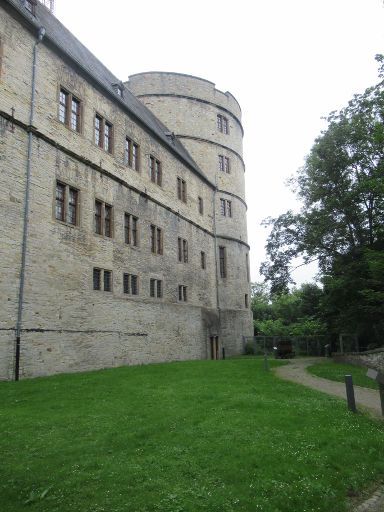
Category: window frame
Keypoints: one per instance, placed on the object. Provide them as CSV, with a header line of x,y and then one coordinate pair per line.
x,y
155,170
223,261
182,250
128,287
181,186
132,154
103,139
104,220
156,289
203,260
66,204
156,239
182,295
66,111
104,280
200,201
222,124
131,230
226,207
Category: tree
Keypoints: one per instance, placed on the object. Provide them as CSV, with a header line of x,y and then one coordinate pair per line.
x,y
341,187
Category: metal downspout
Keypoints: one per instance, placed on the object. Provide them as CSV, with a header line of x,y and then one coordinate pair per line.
x,y
41,34
216,263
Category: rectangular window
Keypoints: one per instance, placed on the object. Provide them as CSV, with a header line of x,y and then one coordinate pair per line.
x,y
222,124
130,284
107,220
103,134
156,288
98,216
155,170
223,261
246,302
97,279
107,281
226,208
182,249
130,229
182,293
103,219
203,260
156,240
224,164
201,205
102,277
60,201
69,110
66,203
181,190
131,157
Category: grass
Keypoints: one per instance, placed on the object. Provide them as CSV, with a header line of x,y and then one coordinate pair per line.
x,y
336,371
213,436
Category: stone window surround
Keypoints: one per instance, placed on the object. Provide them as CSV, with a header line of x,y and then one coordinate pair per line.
x,y
66,203
66,108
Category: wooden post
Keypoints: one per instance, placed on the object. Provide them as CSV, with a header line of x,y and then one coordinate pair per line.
x,y
350,393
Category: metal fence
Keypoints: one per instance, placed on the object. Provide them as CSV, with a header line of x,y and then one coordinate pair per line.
x,y
301,345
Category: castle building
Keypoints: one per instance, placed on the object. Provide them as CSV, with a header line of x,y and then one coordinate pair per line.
x,y
123,237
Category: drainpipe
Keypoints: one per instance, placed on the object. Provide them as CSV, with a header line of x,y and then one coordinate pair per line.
x,y
216,262
40,36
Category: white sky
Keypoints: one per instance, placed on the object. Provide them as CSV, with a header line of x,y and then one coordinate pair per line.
x,y
288,63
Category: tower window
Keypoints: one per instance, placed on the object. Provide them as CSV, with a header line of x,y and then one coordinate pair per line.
x,y
226,208
224,164
222,124
223,261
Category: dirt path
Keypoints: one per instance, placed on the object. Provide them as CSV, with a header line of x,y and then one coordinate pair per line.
x,y
295,371
367,399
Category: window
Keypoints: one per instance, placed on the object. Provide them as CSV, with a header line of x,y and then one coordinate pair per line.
x,y
130,284
107,281
131,155
203,260
226,207
156,288
102,277
224,164
131,230
103,134
103,219
182,250
156,240
67,204
201,205
69,110
246,302
247,266
182,293
30,5
222,124
223,261
181,190
155,170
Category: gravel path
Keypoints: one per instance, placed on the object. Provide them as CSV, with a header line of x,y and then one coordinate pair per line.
x,y
295,371
367,399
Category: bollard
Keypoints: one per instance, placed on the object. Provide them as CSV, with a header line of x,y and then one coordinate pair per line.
x,y
381,391
350,393
266,364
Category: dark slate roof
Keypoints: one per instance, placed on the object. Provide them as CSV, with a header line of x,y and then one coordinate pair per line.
x,y
61,38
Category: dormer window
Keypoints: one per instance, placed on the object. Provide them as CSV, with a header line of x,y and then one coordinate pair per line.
x,y
119,89
30,5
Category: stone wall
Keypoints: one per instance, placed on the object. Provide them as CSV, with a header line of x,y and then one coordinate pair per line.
x,y
371,359
66,324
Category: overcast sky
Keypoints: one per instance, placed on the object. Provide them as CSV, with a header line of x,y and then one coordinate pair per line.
x,y
287,62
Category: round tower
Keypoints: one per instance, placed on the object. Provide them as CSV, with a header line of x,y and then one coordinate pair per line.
x,y
208,123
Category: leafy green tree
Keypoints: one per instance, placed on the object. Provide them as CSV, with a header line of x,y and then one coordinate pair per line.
x,y
341,223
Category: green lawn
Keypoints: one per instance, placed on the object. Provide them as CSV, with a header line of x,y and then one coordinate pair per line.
x,y
213,436
336,371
